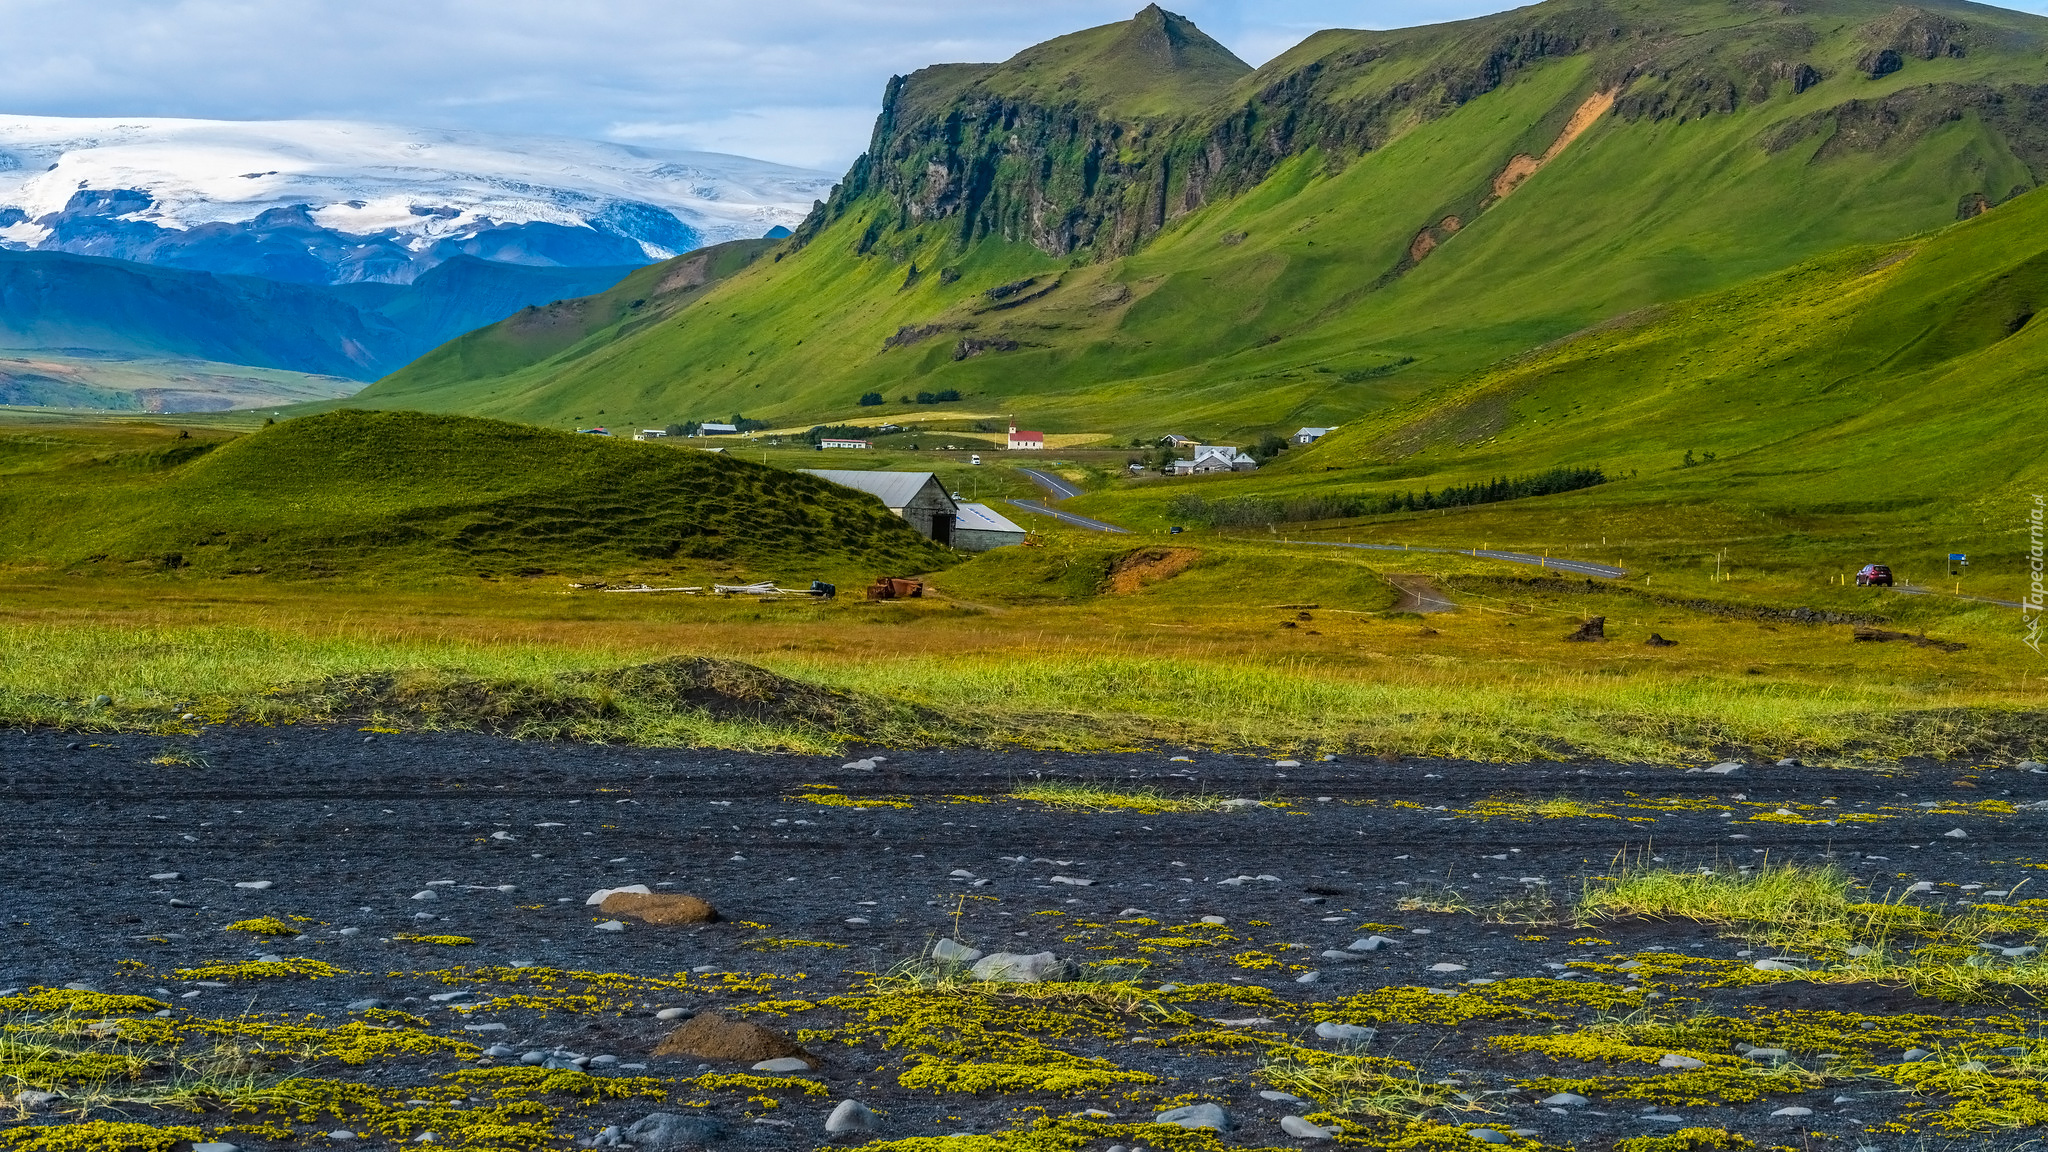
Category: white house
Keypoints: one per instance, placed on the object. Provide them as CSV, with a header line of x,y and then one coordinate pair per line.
x,y
1176,440
838,442
650,434
1311,435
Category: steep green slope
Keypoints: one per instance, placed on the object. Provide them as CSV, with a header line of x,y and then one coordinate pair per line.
x,y
1875,399
404,494
555,336
1368,216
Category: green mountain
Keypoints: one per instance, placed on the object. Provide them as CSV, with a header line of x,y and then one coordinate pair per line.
x,y
402,494
1872,404
1124,231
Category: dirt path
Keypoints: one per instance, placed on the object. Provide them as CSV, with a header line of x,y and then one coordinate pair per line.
x,y
1419,595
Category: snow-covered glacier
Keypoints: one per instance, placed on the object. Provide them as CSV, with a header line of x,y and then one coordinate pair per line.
x,y
330,201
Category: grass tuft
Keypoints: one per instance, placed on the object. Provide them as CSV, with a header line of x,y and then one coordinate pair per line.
x,y
1103,798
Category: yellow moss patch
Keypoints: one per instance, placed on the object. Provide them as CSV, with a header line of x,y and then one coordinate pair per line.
x,y
97,1136
91,1004
264,970
263,926
837,800
1686,1140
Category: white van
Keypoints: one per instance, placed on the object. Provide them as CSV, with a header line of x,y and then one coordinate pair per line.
x,y
975,460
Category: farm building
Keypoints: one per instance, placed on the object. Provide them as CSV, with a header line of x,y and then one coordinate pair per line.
x,y
981,528
922,501
718,430
650,434
918,497
1311,435
843,442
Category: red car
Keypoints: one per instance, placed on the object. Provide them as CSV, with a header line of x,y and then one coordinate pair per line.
x,y
1874,574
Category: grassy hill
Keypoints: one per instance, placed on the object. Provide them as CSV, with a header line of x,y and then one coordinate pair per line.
x,y
1366,218
354,494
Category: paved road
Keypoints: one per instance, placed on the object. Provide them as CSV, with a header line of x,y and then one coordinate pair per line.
x,y
1060,489
1044,509
1575,567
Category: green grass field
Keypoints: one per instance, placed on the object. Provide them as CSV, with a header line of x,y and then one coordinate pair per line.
x,y
1080,641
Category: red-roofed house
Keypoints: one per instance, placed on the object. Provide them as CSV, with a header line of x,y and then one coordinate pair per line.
x,y
1025,439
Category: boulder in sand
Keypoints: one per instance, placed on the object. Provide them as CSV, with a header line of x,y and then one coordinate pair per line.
x,y
717,1036
659,908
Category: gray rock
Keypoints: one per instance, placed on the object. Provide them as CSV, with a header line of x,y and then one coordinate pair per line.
x,y
1956,834
365,1005
1861,950
1775,966
669,1130
1309,977
608,1138
673,1014
534,1057
1726,766
1486,1135
1348,1033
341,1134
216,1146
1372,944
1682,1063
953,952
852,1116
1211,1116
1023,968
1565,1099
1526,1133
30,1099
1791,762
426,894
784,1064
1446,966
500,1051
1334,954
1795,1110
1301,1129
603,1061
1767,1053
1279,1097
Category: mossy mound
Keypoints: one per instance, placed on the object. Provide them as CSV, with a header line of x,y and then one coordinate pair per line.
x,y
388,493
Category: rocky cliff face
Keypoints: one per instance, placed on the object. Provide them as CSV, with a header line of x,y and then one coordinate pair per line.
x,y
1024,152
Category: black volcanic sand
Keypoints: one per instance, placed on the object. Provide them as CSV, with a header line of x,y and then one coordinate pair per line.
x,y
347,827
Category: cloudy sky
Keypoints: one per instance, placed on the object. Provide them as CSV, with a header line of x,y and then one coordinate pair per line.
x,y
795,81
